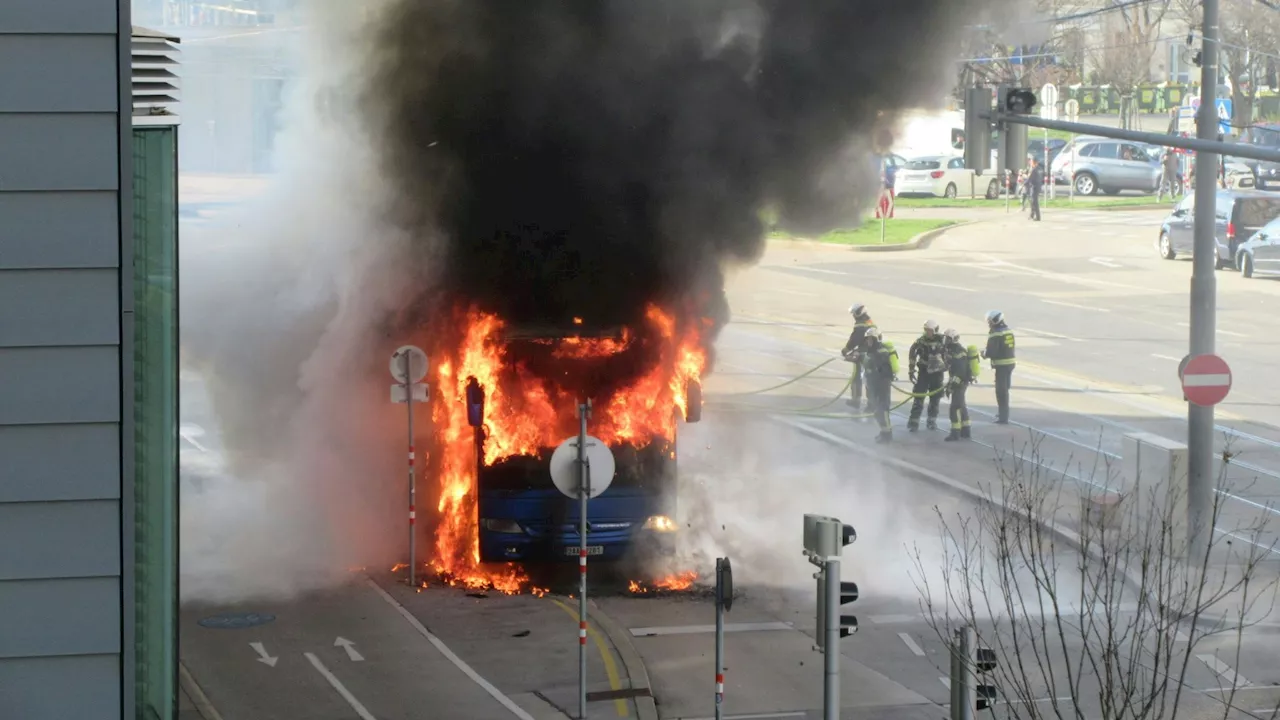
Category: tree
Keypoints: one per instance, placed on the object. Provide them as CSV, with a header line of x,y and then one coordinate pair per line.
x,y
1106,624
1131,32
1250,37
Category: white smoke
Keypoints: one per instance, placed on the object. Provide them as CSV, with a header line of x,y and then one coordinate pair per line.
x,y
281,307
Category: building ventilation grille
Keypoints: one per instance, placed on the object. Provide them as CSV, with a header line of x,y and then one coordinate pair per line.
x,y
155,73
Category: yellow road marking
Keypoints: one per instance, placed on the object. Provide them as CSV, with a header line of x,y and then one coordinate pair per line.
x,y
610,667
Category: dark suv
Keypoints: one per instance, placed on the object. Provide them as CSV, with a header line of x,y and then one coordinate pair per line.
x,y
1240,213
1266,175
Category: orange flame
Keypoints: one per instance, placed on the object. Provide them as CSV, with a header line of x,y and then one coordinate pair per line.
x,y
674,583
522,417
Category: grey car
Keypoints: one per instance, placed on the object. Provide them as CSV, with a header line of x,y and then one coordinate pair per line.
x,y
1098,164
1239,214
1260,254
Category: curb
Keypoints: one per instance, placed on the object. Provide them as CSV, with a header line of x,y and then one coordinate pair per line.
x,y
646,707
193,690
916,243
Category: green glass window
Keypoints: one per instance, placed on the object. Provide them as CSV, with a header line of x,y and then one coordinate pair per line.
x,y
155,416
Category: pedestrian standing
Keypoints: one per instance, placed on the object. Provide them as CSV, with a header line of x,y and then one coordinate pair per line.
x,y
1000,351
853,352
882,366
1168,175
927,370
960,366
1035,183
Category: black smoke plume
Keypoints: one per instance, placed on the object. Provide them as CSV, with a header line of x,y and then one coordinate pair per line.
x,y
562,158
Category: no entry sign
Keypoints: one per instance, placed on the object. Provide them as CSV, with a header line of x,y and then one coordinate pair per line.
x,y
1206,380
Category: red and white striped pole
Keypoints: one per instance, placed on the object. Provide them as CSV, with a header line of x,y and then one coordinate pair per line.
x,y
584,492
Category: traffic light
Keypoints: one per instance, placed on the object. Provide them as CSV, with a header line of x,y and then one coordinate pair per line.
x,y
824,539
977,129
984,663
1017,101
848,623
1013,138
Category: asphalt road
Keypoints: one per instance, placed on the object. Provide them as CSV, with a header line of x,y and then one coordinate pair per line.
x,y
1095,310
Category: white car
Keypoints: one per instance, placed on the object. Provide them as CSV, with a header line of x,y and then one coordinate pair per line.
x,y
941,176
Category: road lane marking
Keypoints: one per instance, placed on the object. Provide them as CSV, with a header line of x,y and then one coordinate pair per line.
x,y
1046,333
1166,357
911,644
698,629
610,667
458,662
944,287
1073,305
895,619
263,656
342,690
946,681
1219,331
1224,670
1105,262
349,646
196,693
805,268
755,716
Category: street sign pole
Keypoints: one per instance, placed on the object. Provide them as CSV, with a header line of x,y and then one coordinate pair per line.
x,y
584,492
724,601
413,535
1200,419
408,366
831,656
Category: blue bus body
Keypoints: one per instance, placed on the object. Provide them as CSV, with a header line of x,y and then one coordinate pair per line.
x,y
524,518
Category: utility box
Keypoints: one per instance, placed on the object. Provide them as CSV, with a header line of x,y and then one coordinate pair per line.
x,y
1155,491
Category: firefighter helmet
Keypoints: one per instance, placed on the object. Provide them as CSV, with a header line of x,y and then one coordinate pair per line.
x,y
873,333
952,334
857,309
931,326
995,317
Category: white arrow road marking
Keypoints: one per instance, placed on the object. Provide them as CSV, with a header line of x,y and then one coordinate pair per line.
x,y
342,690
263,657
1105,262
1223,670
347,645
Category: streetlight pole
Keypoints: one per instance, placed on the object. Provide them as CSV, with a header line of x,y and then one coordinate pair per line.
x,y
1200,420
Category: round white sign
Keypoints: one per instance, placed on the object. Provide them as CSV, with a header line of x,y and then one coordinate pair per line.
x,y
564,466
417,364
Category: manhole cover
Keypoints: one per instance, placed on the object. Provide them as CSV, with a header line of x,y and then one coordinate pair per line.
x,y
236,621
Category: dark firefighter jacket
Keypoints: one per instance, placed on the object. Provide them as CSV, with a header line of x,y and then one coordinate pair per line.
x,y
878,363
1000,346
860,328
926,354
958,363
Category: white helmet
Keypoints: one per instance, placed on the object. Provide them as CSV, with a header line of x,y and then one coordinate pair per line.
x,y
952,334
857,309
995,317
931,326
873,333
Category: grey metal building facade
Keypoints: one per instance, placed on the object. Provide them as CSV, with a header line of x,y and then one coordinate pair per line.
x,y
88,363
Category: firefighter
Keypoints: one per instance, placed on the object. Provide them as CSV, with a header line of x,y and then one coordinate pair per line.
x,y
880,361
962,366
1000,352
853,352
927,369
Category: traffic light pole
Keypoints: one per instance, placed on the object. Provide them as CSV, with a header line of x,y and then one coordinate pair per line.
x,y
1203,295
831,655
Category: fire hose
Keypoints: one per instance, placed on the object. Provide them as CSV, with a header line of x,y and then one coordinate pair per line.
x,y
813,411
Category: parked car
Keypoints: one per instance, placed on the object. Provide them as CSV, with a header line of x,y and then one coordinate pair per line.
x,y
1035,149
1260,254
942,176
1239,215
1266,175
1098,164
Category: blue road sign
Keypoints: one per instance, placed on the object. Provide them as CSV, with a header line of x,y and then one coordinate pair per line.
x,y
237,621
1224,115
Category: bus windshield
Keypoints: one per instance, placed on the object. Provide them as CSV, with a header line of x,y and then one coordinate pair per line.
x,y
636,469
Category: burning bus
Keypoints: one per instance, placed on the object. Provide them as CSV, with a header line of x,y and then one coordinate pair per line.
x,y
509,397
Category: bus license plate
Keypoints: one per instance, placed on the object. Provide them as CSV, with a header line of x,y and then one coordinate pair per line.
x,y
591,550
